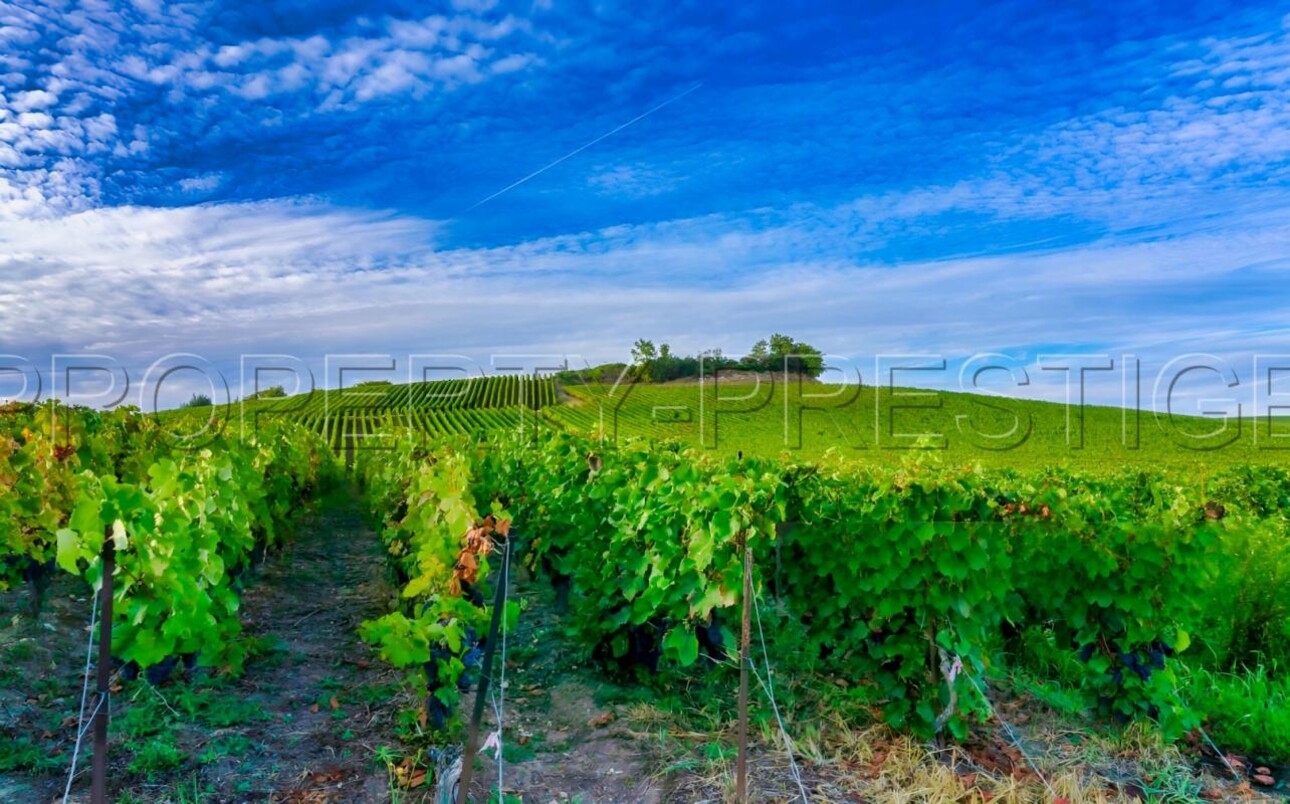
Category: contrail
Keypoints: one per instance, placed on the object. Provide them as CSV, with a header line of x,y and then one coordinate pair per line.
x,y
585,146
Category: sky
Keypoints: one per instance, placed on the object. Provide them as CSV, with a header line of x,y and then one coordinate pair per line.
x,y
315,177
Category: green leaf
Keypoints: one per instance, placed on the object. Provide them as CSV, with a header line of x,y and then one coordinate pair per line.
x,y
681,645
69,550
85,516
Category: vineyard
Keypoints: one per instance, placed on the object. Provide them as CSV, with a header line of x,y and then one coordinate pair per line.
x,y
918,595
371,413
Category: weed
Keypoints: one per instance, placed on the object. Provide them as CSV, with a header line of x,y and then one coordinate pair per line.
x,y
1053,694
218,709
20,651
1246,619
156,754
142,718
524,654
267,650
716,752
227,745
513,752
1247,712
21,754
1173,784
377,693
192,792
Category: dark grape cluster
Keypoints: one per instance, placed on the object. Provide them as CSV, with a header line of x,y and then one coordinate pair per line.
x,y
712,641
472,657
162,671
560,582
644,647
1142,662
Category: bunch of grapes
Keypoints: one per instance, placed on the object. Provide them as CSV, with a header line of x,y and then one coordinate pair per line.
x,y
472,657
1142,662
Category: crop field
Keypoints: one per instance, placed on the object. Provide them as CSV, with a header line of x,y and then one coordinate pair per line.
x,y
370,414
905,584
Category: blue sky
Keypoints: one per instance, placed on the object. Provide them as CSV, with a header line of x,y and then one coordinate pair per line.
x,y
953,178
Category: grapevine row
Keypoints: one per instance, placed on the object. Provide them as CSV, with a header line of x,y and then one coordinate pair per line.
x,y
185,522
896,575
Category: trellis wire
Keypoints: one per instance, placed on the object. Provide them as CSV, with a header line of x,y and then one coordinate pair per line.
x,y
85,692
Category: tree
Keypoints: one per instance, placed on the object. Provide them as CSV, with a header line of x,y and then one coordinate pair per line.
x,y
781,345
806,359
663,368
643,356
782,353
644,351
198,401
758,357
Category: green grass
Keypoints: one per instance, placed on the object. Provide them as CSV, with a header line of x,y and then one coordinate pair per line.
x,y
227,745
513,752
1247,712
156,754
883,426
148,713
21,754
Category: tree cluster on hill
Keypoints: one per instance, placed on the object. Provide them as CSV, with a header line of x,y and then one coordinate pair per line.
x,y
272,392
777,353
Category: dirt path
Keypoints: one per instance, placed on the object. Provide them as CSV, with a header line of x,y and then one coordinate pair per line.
x,y
566,737
329,707
304,723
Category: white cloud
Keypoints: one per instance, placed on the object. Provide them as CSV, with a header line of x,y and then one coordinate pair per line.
x,y
309,279
200,184
633,181
35,120
35,99
1234,118
36,194
394,57
84,82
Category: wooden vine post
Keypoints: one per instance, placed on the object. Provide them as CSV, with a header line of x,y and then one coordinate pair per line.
x,y
98,786
745,639
485,680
